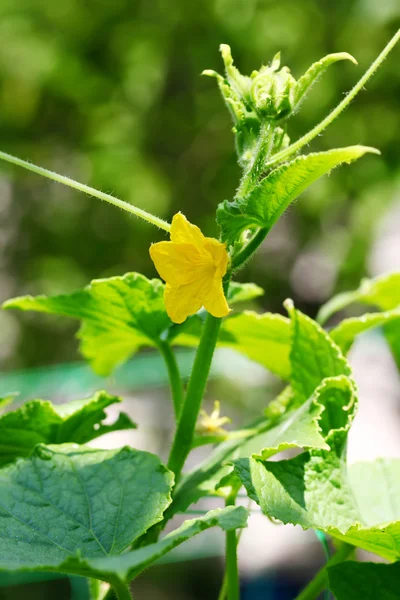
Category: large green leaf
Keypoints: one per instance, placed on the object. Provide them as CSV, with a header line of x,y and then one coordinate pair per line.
x,y
119,315
40,421
314,356
71,500
317,490
130,564
269,199
264,338
351,580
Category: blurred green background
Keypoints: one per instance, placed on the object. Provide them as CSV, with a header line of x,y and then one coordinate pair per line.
x,y
110,93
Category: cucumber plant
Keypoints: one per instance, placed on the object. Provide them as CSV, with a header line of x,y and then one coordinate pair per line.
x,y
70,508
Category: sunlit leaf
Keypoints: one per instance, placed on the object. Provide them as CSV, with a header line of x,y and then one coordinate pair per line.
x,y
268,201
40,421
68,501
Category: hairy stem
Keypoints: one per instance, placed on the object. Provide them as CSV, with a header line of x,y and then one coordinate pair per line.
x,y
306,139
320,581
257,166
175,379
138,212
243,256
121,591
184,434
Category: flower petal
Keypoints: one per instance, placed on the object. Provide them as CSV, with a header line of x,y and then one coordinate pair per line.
x,y
215,301
219,255
184,232
178,264
181,301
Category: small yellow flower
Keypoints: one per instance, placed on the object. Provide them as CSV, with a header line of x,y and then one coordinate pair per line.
x,y
192,266
212,424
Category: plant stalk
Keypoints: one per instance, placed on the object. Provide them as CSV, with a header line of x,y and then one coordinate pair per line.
x,y
231,580
174,375
306,139
184,434
134,210
245,254
121,591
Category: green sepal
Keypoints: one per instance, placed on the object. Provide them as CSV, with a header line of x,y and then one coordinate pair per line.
x,y
304,84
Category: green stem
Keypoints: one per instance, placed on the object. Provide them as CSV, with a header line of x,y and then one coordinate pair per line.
x,y
257,167
243,256
232,570
320,581
184,434
222,592
121,591
138,212
174,377
306,139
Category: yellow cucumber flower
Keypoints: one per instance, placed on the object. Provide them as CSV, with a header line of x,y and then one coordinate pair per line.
x,y
213,423
192,266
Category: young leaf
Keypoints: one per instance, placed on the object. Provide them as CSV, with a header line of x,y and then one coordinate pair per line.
x,y
40,421
352,580
119,315
305,82
270,198
68,501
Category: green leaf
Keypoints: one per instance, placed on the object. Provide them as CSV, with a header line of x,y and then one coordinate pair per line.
x,y
351,580
40,421
310,425
243,292
363,508
383,292
123,567
264,338
67,501
119,315
314,356
270,198
345,333
310,77
130,564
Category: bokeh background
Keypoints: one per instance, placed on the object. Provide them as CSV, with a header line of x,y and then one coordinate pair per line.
x,y
109,93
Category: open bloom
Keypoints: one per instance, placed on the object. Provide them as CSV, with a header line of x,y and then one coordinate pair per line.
x,y
192,266
213,423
